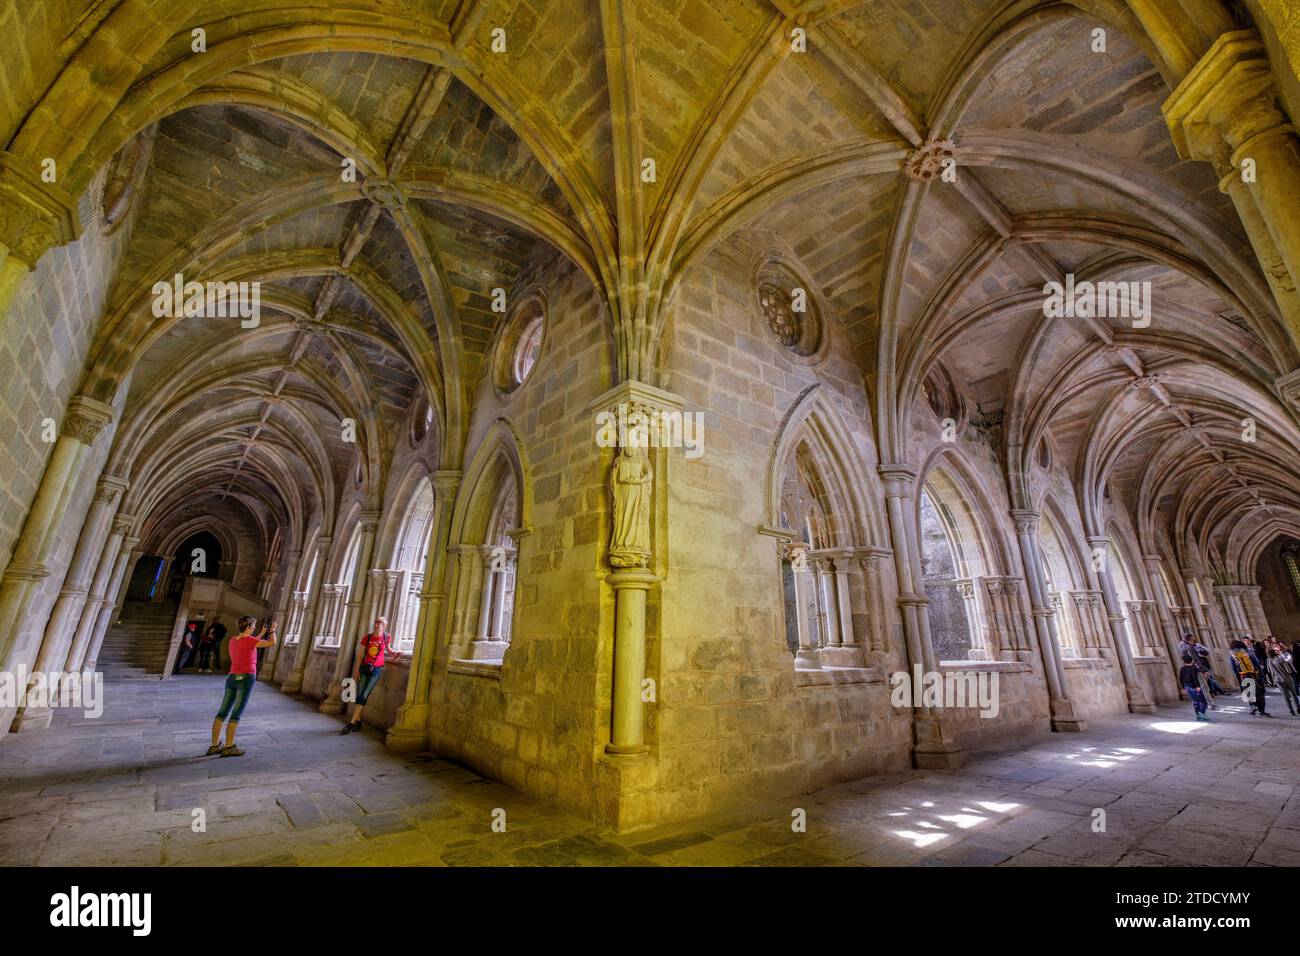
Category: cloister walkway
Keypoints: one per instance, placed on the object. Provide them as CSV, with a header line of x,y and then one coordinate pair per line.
x,y
123,788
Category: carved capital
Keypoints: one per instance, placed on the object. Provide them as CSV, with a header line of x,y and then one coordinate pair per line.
x,y
34,215
445,484
122,524
898,480
86,418
1026,521
109,489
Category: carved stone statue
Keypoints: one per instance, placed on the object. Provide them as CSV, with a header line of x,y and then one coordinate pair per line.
x,y
631,483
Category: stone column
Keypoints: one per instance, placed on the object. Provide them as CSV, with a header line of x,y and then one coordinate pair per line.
x,y
293,684
410,731
870,560
849,651
1060,705
1230,95
76,585
110,606
1254,607
28,564
354,622
1138,701
934,747
806,658
292,559
99,590
829,607
1165,611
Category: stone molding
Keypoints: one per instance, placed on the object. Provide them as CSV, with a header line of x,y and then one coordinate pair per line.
x,y
35,215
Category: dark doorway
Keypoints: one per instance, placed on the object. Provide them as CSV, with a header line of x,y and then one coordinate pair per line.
x,y
199,555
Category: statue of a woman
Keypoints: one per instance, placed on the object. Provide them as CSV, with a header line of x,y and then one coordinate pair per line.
x,y
631,483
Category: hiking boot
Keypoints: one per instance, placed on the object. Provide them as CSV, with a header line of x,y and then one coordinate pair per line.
x,y
213,750
231,751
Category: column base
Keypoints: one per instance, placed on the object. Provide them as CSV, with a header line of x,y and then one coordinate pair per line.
x,y
1139,702
32,718
293,685
410,731
333,703
1064,719
629,750
934,747
843,655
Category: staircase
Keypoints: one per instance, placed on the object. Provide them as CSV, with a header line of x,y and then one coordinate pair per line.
x,y
137,646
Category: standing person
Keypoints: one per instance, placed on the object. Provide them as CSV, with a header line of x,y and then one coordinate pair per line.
x,y
188,641
210,645
371,653
1284,679
1243,665
1201,658
1190,678
239,683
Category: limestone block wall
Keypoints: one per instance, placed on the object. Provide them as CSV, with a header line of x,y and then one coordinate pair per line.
x,y
541,726
731,721
44,349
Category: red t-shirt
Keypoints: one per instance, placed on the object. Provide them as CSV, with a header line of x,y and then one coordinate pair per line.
x,y
372,649
243,655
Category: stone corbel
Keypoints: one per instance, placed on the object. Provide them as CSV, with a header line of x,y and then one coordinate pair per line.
x,y
35,215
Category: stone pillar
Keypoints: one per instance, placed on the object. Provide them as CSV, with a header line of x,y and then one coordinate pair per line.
x,y
870,560
292,559
828,606
934,746
354,621
1138,701
28,564
410,731
848,652
110,606
806,658
1229,97
76,585
1254,608
34,216
293,684
1165,611
1060,705
99,590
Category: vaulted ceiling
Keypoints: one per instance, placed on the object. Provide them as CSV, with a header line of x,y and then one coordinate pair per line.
x,y
474,165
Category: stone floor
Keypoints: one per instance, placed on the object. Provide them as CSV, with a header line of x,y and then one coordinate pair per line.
x,y
123,789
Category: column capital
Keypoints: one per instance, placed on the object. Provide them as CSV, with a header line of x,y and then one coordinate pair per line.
x,y
1289,387
898,478
109,488
86,418
122,524
445,483
1230,92
129,544
34,215
1026,521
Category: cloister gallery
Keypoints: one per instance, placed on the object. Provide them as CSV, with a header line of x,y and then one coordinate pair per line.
x,y
672,376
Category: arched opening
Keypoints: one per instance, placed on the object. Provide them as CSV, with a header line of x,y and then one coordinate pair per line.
x,y
199,555
955,571
403,581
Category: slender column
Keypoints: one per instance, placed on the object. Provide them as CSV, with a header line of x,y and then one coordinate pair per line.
x,y
870,560
1254,607
76,586
1165,611
410,730
119,599
830,613
293,685
1063,715
354,620
292,560
107,611
934,747
631,586
98,592
1138,701
85,419
488,577
806,657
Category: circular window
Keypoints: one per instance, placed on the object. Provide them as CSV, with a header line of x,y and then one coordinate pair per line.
x,y
788,307
520,345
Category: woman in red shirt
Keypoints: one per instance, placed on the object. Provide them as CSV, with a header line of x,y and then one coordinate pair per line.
x,y
239,683
371,653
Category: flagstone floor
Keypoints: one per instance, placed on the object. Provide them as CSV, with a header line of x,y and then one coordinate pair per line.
x,y
123,790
